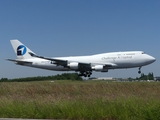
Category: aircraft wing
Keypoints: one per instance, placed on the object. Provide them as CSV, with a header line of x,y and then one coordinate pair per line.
x,y
19,62
62,62
54,61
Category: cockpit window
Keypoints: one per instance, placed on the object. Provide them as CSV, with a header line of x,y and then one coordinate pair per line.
x,y
143,52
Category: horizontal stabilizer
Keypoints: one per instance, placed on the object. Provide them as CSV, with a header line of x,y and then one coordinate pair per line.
x,y
19,61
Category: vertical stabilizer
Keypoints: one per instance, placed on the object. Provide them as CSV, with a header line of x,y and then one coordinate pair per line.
x,y
21,50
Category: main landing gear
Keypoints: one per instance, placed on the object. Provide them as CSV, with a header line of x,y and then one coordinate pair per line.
x,y
85,73
139,70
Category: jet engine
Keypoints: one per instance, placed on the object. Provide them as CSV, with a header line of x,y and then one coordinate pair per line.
x,y
73,65
100,68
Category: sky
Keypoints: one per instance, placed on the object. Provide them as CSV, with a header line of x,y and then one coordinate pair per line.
x,y
56,28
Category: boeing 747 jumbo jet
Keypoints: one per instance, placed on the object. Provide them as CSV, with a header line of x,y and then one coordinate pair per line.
x,y
82,64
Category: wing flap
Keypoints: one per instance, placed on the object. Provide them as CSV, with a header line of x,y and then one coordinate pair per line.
x,y
59,62
84,66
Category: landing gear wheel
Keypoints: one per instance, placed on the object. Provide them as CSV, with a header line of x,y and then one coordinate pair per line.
x,y
85,73
139,70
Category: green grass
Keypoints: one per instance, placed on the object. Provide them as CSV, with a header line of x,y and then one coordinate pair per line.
x,y
80,100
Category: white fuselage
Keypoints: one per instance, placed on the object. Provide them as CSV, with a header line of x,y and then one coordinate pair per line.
x,y
82,64
118,60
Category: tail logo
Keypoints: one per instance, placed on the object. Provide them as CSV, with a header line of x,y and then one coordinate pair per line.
x,y
21,50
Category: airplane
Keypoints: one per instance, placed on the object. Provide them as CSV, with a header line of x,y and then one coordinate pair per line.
x,y
85,65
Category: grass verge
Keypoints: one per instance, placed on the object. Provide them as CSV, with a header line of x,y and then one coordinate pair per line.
x,y
80,100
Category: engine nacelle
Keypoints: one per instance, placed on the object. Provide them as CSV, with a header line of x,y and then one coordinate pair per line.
x,y
73,65
100,68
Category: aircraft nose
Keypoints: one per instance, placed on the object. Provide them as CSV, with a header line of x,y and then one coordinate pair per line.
x,y
151,59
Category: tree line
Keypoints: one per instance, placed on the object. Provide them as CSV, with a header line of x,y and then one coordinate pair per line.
x,y
64,76
150,76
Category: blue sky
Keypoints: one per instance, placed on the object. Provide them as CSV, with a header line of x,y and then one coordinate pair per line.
x,y
79,27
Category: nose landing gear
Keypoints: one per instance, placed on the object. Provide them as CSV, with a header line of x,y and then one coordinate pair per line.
x,y
139,70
